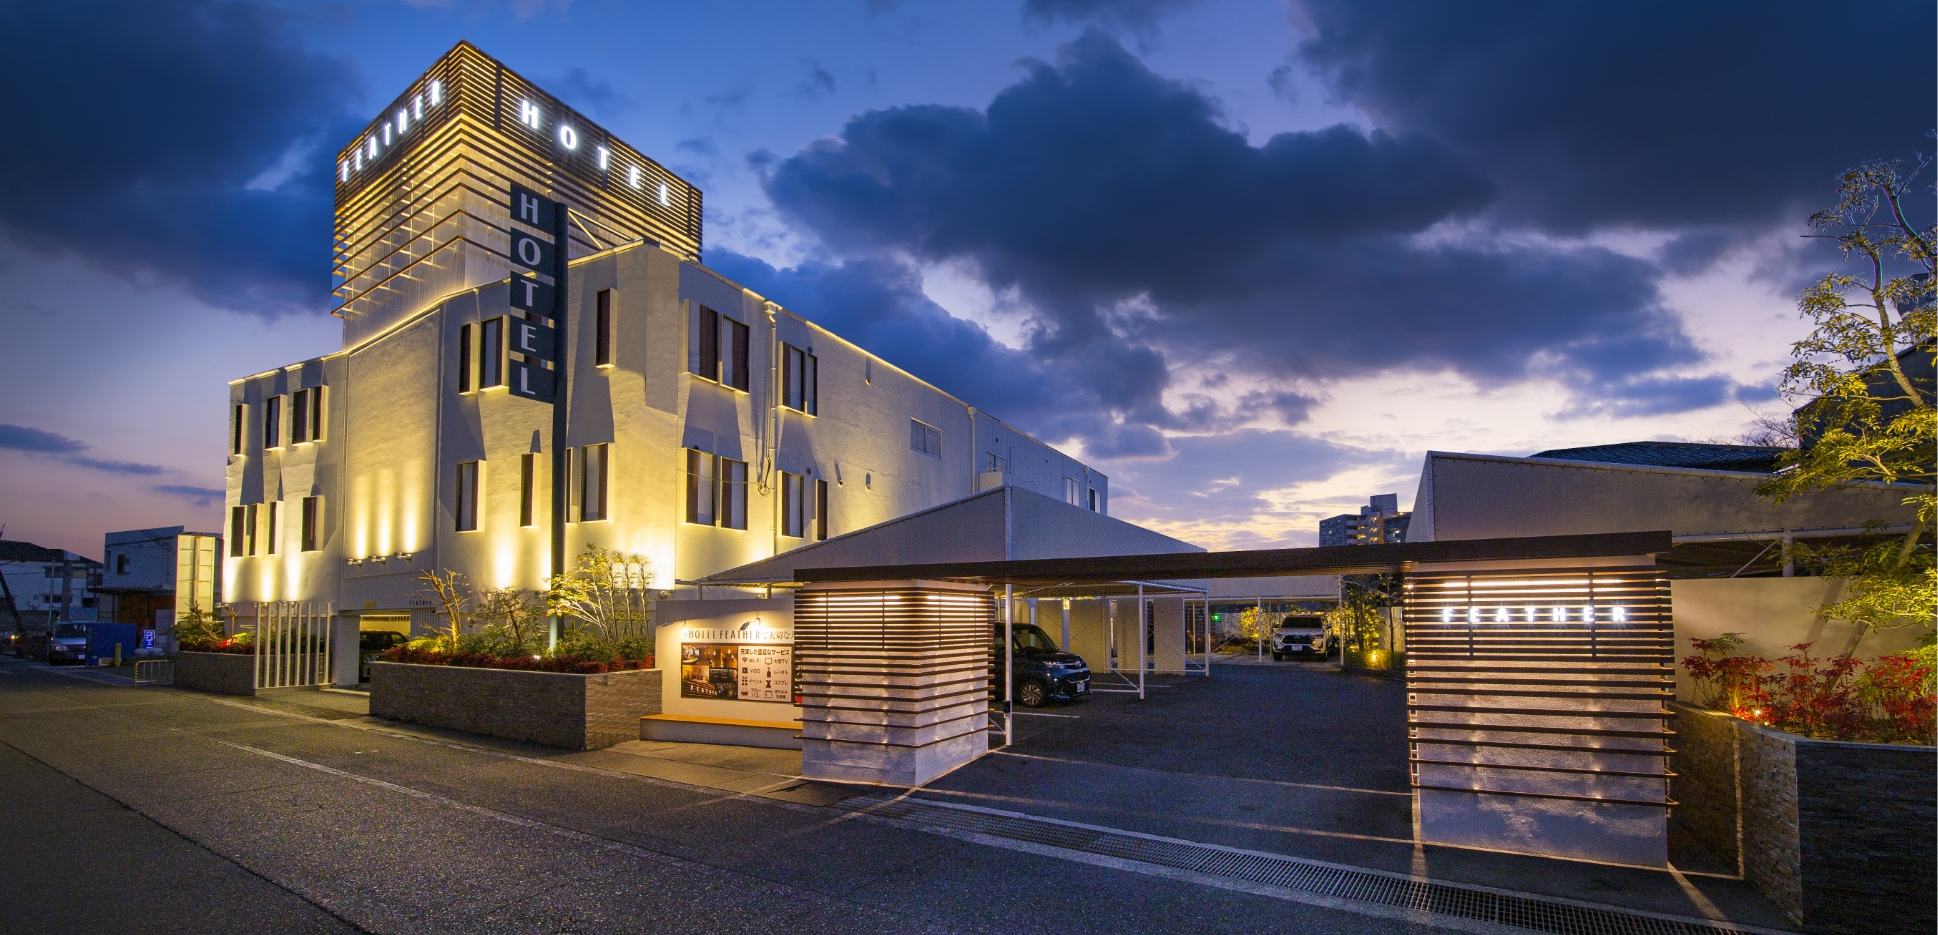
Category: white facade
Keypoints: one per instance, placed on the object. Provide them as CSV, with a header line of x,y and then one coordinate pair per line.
x,y
385,470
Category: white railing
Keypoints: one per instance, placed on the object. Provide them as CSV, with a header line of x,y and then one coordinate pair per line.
x,y
293,643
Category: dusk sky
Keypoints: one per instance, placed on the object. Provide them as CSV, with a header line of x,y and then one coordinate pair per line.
x,y
1251,258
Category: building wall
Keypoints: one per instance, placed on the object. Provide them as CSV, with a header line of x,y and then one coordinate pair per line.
x,y
397,427
1772,614
1465,496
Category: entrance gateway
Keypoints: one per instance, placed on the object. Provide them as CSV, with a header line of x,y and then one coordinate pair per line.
x,y
1538,672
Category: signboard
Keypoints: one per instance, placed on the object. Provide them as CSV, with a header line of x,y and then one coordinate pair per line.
x,y
532,253
750,663
534,296
529,207
534,340
532,381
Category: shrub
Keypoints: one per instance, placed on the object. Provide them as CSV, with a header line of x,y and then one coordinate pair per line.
x,y
417,652
1889,700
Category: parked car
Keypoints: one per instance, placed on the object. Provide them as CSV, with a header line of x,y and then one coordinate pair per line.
x,y
1301,635
68,643
370,643
1042,670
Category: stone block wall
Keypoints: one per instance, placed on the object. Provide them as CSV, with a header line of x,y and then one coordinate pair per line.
x,y
1843,837
579,712
222,673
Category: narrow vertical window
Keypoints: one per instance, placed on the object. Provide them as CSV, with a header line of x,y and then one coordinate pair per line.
x,y
527,467
1070,492
235,440
491,353
316,413
701,487
299,417
1093,499
602,330
820,510
467,496
734,374
249,523
237,517
571,485
274,530
733,493
592,483
791,505
464,358
708,331
272,422
810,394
312,523
797,379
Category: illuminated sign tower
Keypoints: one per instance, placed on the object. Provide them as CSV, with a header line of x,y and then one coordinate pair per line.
x,y
420,205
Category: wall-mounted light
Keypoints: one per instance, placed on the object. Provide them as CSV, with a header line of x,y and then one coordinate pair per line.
x,y
353,561
403,556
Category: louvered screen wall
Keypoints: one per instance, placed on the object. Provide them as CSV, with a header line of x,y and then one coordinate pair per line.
x,y
1536,709
895,680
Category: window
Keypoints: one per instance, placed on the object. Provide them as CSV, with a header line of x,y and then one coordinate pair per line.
x,y
249,529
270,541
235,430
237,516
571,487
924,438
527,469
820,510
272,422
316,412
716,490
121,564
464,358
793,518
707,329
592,483
702,487
312,524
467,500
733,493
491,353
798,379
1093,500
733,366
299,417
602,330
994,462
1072,492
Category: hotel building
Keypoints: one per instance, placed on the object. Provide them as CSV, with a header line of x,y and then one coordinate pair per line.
x,y
709,427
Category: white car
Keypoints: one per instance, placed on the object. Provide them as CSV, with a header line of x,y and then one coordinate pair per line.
x,y
1301,635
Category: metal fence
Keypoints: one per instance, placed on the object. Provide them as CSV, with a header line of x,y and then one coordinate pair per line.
x,y
292,640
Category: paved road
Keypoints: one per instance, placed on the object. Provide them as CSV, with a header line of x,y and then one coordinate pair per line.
x,y
151,810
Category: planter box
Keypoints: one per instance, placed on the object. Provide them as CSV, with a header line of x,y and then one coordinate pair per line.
x,y
223,673
1841,836
578,712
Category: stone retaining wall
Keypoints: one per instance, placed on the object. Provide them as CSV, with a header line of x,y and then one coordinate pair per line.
x,y
579,712
223,673
1841,836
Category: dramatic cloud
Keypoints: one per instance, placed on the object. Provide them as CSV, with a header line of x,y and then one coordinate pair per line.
x,y
138,128
42,442
1144,232
1608,113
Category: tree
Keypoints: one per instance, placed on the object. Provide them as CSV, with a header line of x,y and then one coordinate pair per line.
x,y
1864,416
515,616
453,598
607,592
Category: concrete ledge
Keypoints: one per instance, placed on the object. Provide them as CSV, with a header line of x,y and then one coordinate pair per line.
x,y
222,673
558,709
676,728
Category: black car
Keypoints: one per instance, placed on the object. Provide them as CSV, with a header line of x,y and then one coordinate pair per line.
x,y
1043,672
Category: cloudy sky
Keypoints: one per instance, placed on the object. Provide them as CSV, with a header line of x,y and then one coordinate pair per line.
x,y
1252,258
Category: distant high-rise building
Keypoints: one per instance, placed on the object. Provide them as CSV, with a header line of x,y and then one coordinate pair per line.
x,y
1378,522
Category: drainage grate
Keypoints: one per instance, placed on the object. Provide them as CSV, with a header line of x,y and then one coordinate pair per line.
x,y
1372,886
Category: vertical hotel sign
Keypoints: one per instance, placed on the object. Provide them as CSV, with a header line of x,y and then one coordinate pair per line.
x,y
542,250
